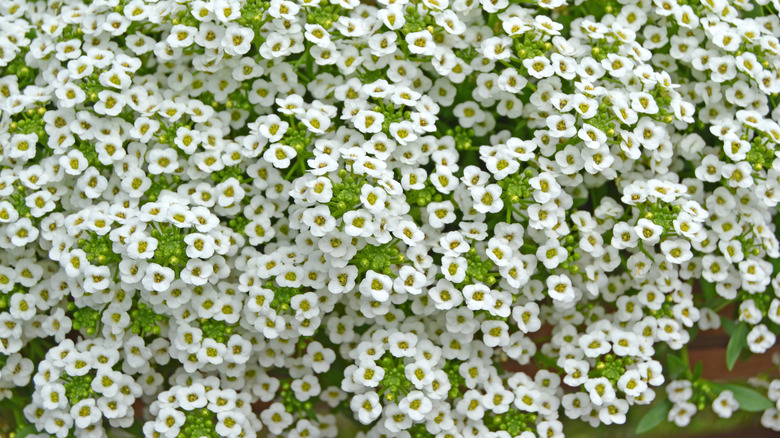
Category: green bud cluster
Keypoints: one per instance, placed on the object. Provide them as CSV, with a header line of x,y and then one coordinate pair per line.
x,y
346,194
478,269
88,150
414,21
236,100
422,197
145,320
92,86
761,153
418,430
239,222
665,311
17,200
529,45
516,187
463,137
85,319
219,331
703,393
282,295
394,385
661,213
30,122
391,113
325,15
199,423
186,18
513,421
167,133
78,388
456,380
171,248
6,297
297,138
604,120
18,67
762,300
71,32
611,367
160,183
230,172
252,13
377,258
99,249
291,403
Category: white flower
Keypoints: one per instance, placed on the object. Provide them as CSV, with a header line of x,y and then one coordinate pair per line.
x,y
681,413
545,186
648,231
760,339
527,317
279,155
237,40
416,405
631,383
497,48
369,121
600,390
495,333
487,199
676,251
168,420
402,344
539,67
559,288
276,418
725,404
53,396
551,254
158,278
614,412
306,387
366,406
319,220
85,413
420,43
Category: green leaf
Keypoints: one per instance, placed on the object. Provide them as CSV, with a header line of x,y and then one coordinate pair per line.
x,y
597,193
654,417
578,202
675,366
709,291
737,343
749,399
698,370
728,325
24,431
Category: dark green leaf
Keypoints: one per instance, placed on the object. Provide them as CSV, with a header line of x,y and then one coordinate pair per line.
x,y
737,343
709,291
675,366
728,325
698,370
578,202
654,417
749,399
26,430
597,193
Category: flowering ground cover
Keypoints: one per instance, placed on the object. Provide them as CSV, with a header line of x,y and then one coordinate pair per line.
x,y
417,218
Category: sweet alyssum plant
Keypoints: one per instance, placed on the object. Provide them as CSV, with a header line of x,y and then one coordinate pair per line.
x,y
224,218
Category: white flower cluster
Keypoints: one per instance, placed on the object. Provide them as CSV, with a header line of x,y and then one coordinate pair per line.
x,y
225,216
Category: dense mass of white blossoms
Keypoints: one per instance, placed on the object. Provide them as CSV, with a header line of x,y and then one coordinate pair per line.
x,y
224,217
